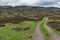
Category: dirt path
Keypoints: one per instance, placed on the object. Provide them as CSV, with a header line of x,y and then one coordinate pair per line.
x,y
37,34
51,32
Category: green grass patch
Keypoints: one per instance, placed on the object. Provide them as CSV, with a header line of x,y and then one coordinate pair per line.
x,y
7,34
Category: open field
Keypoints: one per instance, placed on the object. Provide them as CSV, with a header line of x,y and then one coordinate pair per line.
x,y
25,29
29,23
21,31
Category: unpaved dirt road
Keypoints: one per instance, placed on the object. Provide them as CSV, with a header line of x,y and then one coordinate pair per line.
x,y
38,34
52,34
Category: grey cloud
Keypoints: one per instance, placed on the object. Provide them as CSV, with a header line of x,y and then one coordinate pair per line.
x,y
39,3
46,3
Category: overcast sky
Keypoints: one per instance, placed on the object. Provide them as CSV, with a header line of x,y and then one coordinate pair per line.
x,y
45,3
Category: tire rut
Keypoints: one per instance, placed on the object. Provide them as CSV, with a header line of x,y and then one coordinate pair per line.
x,y
38,34
52,34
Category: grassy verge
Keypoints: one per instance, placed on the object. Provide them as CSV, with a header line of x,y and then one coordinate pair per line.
x,y
6,33
57,32
44,31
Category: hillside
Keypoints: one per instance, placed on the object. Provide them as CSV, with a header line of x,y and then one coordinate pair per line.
x,y
29,23
8,13
25,10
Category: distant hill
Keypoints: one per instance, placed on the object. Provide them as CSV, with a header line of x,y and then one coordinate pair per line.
x,y
21,13
28,11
